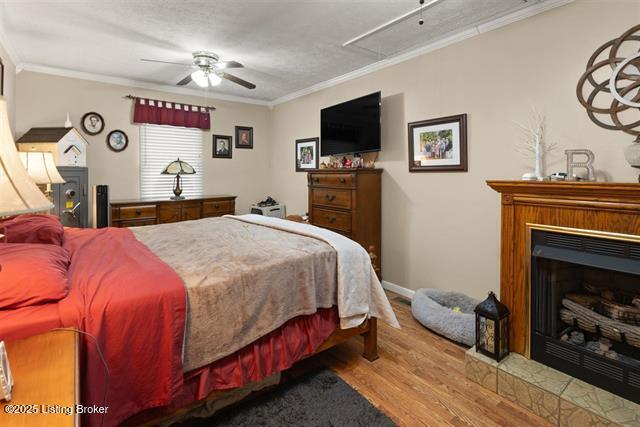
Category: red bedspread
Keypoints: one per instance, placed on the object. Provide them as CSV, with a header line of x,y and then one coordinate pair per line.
x,y
135,306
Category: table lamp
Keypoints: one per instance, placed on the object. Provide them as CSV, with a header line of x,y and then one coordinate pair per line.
x,y
18,192
41,168
177,168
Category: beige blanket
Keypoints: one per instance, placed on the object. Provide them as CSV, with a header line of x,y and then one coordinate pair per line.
x,y
243,280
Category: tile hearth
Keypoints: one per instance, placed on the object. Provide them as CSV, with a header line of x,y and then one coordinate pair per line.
x,y
550,394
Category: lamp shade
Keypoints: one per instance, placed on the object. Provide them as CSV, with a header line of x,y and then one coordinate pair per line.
x,y
178,167
18,193
41,167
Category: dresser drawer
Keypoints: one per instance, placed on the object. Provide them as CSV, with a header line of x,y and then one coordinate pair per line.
x,y
137,212
134,223
169,213
345,180
190,212
331,197
339,221
217,207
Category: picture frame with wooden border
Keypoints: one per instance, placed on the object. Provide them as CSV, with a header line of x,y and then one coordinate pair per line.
x,y
222,147
244,137
438,145
307,154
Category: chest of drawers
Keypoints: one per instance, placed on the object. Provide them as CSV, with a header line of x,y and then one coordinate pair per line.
x,y
135,213
348,202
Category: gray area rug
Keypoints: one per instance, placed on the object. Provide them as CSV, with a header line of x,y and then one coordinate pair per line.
x,y
316,399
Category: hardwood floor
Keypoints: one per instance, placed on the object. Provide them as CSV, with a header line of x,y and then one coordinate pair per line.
x,y
419,378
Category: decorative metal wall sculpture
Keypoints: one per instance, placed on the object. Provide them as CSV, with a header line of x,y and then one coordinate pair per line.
x,y
608,72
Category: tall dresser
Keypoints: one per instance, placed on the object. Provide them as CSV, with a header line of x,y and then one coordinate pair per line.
x,y
348,201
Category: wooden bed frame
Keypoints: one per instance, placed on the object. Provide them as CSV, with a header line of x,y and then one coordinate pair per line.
x,y
368,330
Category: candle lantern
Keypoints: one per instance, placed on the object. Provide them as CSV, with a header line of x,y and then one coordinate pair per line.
x,y
492,328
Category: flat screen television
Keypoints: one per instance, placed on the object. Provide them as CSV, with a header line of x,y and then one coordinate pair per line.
x,y
351,127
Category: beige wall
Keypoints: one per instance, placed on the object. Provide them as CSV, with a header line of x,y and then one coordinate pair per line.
x,y
442,229
9,86
45,99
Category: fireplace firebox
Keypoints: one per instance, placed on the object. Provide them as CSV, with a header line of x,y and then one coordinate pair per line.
x,y
585,307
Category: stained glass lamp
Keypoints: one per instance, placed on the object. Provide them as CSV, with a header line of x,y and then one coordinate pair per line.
x,y
177,168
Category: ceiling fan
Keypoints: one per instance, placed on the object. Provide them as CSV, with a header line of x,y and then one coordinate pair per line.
x,y
209,70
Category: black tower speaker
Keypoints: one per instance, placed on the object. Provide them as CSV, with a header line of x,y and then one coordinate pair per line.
x,y
101,206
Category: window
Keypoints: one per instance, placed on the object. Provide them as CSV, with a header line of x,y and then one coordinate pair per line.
x,y
159,146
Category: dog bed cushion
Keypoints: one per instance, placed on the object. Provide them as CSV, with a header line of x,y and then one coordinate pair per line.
x,y
434,309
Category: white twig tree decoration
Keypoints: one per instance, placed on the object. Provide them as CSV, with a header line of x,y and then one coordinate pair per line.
x,y
534,142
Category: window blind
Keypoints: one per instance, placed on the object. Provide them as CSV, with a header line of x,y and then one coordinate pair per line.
x,y
159,146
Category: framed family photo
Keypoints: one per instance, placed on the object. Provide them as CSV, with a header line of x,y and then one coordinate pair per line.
x,y
244,137
307,156
438,145
222,146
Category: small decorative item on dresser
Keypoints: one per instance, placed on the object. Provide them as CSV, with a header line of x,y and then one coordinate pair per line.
x,y
492,328
92,123
117,140
438,145
307,154
222,148
244,137
177,168
535,144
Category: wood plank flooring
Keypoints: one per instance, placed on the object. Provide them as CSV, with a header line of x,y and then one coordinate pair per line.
x,y
419,379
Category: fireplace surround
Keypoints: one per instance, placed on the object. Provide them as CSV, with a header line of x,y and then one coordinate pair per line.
x,y
563,242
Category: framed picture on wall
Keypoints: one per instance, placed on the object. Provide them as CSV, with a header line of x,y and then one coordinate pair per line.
x,y
438,145
307,156
222,145
1,77
117,140
244,137
92,123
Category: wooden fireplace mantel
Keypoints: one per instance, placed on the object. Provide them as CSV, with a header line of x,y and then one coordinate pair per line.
x,y
598,206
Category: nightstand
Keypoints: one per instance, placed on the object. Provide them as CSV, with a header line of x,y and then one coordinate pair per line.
x,y
46,378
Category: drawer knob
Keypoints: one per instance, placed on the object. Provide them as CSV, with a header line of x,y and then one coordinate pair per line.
x,y
331,219
316,180
330,197
343,180
216,206
138,212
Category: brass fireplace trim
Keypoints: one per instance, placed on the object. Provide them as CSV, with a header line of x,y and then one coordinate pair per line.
x,y
529,227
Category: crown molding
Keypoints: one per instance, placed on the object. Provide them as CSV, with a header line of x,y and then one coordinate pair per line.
x,y
131,83
491,25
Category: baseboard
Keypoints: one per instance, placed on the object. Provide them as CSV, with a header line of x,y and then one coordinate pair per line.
x,y
400,290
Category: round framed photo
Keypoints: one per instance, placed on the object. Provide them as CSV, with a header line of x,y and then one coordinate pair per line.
x,y
92,123
117,140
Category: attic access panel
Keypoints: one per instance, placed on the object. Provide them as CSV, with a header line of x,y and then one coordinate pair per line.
x,y
443,19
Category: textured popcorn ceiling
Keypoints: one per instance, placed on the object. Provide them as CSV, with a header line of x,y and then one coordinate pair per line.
x,y
285,46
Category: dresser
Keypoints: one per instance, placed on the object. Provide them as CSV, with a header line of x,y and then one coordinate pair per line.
x,y
348,202
138,212
46,382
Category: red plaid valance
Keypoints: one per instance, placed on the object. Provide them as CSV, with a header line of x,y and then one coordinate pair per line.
x,y
171,113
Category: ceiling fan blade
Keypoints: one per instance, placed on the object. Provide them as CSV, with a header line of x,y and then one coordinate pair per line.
x,y
229,64
167,62
184,81
238,80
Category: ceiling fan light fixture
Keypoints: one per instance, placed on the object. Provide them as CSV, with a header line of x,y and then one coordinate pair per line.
x,y
214,79
200,77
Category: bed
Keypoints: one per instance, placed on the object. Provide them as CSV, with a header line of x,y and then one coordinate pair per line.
x,y
183,310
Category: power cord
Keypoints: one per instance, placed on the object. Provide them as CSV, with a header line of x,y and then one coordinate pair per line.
x,y
104,363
